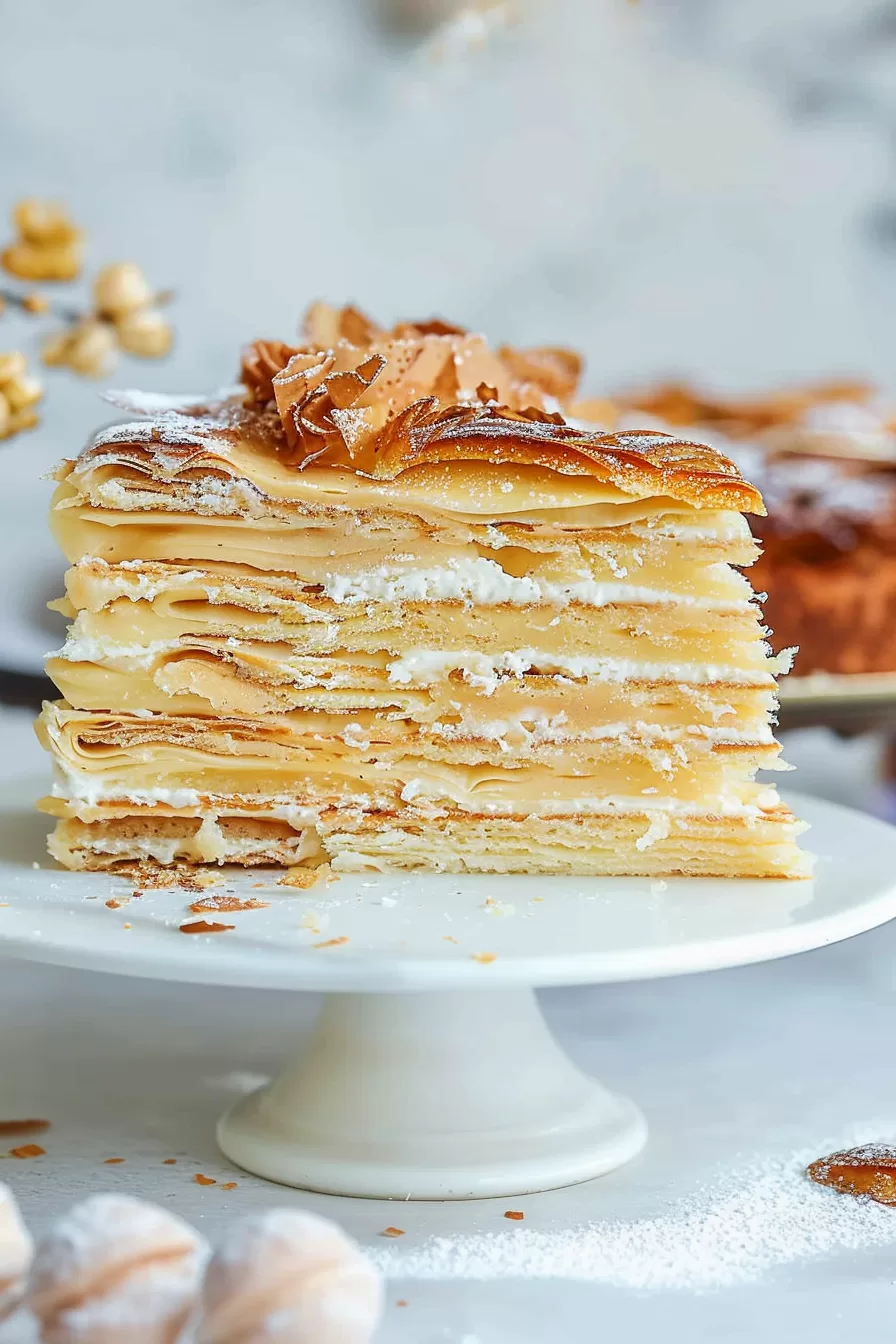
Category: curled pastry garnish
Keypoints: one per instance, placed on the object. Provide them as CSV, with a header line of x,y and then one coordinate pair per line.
x,y
345,385
261,362
553,370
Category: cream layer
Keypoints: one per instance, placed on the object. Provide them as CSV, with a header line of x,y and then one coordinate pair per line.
x,y
516,577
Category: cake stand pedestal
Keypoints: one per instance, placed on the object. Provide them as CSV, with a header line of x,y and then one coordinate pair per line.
x,y
431,1073
432,1096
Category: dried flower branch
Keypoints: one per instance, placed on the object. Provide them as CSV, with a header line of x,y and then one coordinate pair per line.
x,y
126,316
48,246
19,394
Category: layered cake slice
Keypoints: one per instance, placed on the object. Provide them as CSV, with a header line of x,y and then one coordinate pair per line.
x,y
386,607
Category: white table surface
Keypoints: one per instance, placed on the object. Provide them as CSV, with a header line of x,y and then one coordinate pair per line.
x,y
762,1059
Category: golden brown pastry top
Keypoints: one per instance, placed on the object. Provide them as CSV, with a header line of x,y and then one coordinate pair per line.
x,y
424,394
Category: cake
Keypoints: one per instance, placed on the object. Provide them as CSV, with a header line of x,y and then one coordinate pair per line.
x,y
825,459
384,606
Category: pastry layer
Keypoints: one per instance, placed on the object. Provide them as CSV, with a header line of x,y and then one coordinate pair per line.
x,y
182,761
634,845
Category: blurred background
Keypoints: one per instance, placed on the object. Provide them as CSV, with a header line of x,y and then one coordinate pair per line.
x,y
699,187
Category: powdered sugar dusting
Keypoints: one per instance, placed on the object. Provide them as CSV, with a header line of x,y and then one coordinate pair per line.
x,y
735,1231
171,428
135,402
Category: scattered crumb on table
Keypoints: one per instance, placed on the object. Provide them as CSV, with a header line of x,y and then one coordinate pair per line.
x,y
515,1215
204,1180
28,1150
224,904
484,958
305,878
112,1161
392,1232
332,942
10,1129
204,926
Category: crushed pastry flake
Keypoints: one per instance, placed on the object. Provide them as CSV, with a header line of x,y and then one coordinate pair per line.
x,y
149,876
332,942
169,1161
204,1180
28,1150
447,938
392,1232
229,1185
515,1215
114,904
10,1129
204,926
305,878
484,958
868,1172
112,1161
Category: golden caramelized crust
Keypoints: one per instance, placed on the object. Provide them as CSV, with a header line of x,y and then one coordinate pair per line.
x,y
493,441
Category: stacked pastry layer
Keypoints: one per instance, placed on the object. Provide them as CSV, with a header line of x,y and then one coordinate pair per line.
x,y
411,625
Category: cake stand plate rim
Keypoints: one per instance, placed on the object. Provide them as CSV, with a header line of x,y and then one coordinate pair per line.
x,y
420,932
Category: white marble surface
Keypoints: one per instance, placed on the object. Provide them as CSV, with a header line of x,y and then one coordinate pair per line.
x,y
760,1060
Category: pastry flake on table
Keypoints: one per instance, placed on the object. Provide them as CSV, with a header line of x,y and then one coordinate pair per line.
x,y
392,605
868,1172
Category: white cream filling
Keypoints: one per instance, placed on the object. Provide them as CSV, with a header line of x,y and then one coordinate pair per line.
x,y
485,583
84,786
129,657
422,667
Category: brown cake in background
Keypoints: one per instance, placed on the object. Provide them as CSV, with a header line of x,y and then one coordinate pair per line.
x,y
825,459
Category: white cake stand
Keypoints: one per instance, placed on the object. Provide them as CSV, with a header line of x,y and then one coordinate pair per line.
x,y
431,1073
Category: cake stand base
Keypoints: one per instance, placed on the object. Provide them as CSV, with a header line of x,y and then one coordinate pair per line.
x,y
458,1095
